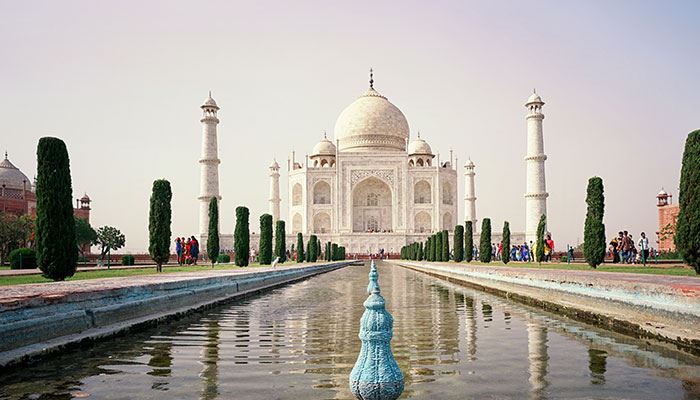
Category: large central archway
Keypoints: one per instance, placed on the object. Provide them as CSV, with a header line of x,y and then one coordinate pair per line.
x,y
371,206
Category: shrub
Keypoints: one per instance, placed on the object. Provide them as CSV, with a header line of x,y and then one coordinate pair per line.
x,y
445,245
23,258
594,241
57,248
223,259
300,247
505,244
128,259
459,243
468,241
541,227
265,253
485,241
159,219
213,234
241,237
280,241
312,247
688,223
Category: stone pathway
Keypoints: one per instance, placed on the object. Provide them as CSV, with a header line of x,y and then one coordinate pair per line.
x,y
13,294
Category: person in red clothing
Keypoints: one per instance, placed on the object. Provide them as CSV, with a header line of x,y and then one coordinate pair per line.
x,y
549,247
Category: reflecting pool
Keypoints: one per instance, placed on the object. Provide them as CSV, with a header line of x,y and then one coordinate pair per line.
x,y
300,342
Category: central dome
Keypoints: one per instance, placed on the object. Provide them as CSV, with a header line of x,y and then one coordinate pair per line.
x,y
371,123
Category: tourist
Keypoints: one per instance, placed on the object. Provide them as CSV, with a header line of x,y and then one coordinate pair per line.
x,y
644,247
499,255
178,250
626,247
615,249
633,251
194,250
549,247
525,255
188,248
514,254
531,250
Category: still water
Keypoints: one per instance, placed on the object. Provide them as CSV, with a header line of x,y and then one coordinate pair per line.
x,y
300,342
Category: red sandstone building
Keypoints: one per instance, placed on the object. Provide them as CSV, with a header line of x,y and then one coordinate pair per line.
x,y
18,197
668,213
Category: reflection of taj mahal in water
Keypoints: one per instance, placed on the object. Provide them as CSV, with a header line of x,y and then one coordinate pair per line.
x,y
372,187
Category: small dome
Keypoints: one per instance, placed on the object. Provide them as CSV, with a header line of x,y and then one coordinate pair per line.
x,y
469,164
209,102
534,98
324,148
12,177
274,165
85,198
371,123
662,193
419,147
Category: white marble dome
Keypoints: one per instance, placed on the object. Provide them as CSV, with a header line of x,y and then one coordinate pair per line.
x,y
209,102
324,148
12,177
419,147
371,123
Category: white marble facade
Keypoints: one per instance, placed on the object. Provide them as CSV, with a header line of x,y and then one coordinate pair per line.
x,y
373,188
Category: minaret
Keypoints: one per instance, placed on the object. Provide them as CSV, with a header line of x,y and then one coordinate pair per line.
x,y
274,191
209,163
469,194
536,194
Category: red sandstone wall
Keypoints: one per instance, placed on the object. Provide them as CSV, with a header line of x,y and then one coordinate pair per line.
x,y
667,215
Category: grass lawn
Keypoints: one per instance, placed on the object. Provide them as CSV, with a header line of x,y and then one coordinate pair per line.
x,y
635,268
113,273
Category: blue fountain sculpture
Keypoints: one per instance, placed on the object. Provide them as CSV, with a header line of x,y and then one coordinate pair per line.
x,y
376,375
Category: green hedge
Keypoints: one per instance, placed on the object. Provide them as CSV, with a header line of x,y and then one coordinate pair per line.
x,y
23,258
223,259
127,259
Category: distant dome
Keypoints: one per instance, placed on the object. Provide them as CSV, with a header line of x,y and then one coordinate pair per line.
x,y
85,198
419,146
469,164
274,165
209,102
324,148
534,98
12,177
371,123
662,193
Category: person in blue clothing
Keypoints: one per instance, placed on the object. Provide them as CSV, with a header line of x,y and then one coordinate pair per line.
x,y
194,250
525,252
178,250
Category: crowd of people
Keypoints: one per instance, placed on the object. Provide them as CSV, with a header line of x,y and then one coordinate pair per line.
x,y
520,252
623,249
187,250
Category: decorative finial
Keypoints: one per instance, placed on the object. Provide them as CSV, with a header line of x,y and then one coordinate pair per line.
x,y
534,91
371,78
373,278
419,134
210,94
324,134
376,375
5,154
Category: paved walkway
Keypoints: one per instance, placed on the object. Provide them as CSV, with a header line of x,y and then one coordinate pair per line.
x,y
14,294
37,271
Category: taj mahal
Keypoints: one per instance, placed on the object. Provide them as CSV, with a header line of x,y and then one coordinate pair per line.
x,y
374,186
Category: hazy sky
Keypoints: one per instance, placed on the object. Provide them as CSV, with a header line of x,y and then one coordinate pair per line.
x,y
122,82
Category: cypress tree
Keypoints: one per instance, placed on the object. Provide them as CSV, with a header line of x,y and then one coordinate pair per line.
x,y
318,248
445,245
213,235
485,241
505,256
300,247
159,223
687,236
459,243
468,241
540,238
57,248
280,241
241,237
265,249
313,248
594,241
434,248
334,252
420,251
328,251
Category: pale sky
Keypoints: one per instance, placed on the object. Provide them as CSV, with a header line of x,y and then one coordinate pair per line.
x,y
122,82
